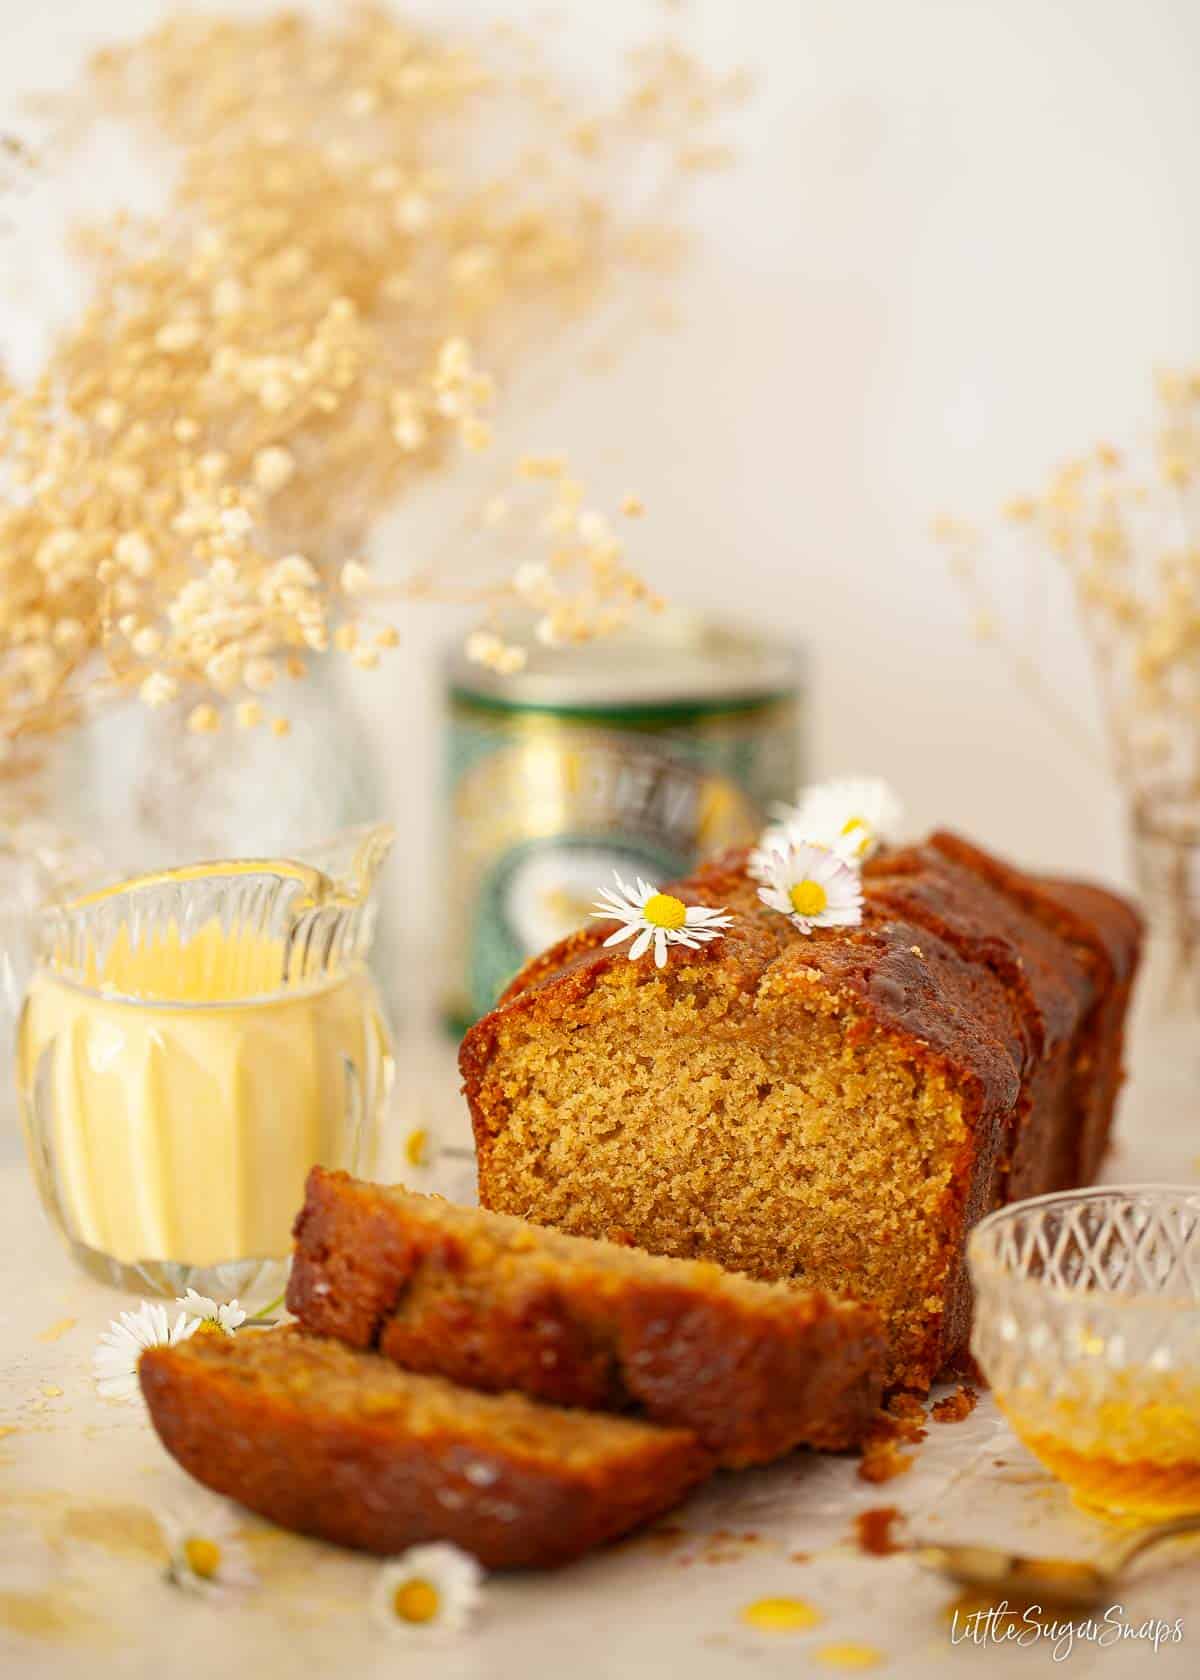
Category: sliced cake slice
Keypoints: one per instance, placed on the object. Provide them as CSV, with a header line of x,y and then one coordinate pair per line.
x,y
346,1446
496,1302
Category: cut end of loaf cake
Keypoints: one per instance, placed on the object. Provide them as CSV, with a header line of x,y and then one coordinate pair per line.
x,y
686,1120
833,1109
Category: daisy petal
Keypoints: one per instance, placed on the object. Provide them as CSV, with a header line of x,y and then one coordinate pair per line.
x,y
641,944
699,915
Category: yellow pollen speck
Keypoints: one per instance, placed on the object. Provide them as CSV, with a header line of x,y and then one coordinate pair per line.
x,y
848,1655
57,1329
664,911
203,1557
808,898
416,1601
51,1391
416,1147
781,1615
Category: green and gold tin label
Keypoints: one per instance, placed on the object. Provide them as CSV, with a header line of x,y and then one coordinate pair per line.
x,y
545,804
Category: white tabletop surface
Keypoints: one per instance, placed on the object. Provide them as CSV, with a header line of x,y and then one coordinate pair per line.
x,y
83,1590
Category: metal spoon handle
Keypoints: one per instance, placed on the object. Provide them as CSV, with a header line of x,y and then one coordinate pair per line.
x,y
1189,1524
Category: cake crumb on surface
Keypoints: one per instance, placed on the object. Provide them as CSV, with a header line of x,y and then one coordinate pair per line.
x,y
883,1461
901,1425
873,1531
904,1420
904,1405
955,1407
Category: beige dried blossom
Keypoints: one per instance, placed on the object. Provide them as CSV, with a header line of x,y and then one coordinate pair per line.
x,y
352,261
1130,548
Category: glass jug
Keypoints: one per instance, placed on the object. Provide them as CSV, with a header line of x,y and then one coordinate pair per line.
x,y
191,1043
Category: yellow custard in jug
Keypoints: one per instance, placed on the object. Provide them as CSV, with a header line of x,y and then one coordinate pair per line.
x,y
176,1092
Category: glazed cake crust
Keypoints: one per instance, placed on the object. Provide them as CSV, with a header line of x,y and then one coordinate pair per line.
x,y
342,1445
1008,991
497,1303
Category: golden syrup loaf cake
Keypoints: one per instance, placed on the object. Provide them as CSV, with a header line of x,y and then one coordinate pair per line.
x,y
835,1108
345,1446
753,1369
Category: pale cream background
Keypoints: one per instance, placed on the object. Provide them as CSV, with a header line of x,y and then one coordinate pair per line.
x,y
961,235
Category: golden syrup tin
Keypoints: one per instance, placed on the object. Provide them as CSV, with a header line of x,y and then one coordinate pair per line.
x,y
643,753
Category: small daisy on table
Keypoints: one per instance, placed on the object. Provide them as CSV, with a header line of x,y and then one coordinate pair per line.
x,y
427,1591
650,917
227,1316
207,1555
813,887
115,1361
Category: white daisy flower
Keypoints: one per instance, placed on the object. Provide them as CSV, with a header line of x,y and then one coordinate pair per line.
x,y
227,1317
853,816
814,887
658,919
773,843
427,1590
206,1555
115,1361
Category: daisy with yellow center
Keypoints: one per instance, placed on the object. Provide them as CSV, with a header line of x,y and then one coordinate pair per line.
x,y
226,1317
853,816
813,887
427,1591
774,842
206,1554
650,917
115,1361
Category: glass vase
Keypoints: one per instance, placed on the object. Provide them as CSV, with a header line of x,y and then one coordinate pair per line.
x,y
1166,1027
